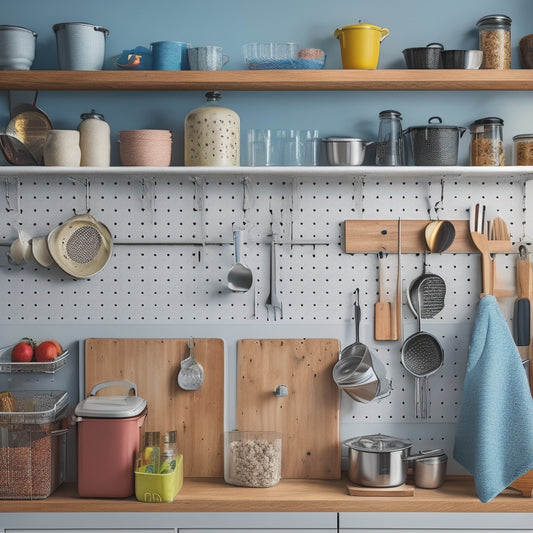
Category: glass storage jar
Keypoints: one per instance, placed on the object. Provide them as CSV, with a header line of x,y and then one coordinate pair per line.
x,y
495,41
389,145
486,142
523,149
95,140
252,458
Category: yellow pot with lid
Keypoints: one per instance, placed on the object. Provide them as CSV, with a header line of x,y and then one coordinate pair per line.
x,y
360,45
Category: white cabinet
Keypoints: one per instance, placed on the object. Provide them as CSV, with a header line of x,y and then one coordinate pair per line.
x,y
435,522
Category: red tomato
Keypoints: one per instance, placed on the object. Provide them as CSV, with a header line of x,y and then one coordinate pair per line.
x,y
22,352
46,351
57,345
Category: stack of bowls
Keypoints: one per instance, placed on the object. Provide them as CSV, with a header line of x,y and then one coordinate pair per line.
x,y
146,148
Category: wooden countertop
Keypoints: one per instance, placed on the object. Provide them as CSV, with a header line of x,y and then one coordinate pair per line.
x,y
292,495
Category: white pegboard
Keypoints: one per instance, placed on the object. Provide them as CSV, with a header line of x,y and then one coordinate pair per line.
x,y
173,249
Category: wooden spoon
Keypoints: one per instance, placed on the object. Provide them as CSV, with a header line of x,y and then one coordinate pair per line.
x,y
382,309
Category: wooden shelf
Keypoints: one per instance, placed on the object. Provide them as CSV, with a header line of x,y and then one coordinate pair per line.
x,y
269,80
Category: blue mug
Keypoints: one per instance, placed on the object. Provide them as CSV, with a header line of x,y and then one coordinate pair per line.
x,y
207,58
169,55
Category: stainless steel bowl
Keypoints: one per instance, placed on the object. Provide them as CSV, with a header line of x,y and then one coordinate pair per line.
x,y
346,151
461,59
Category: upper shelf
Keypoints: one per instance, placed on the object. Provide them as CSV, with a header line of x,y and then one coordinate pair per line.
x,y
269,80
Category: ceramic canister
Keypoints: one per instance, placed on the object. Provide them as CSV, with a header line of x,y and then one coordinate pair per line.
x,y
62,148
95,140
212,135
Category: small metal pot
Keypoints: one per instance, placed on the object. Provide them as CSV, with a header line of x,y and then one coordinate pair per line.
x,y
427,57
346,151
378,460
429,472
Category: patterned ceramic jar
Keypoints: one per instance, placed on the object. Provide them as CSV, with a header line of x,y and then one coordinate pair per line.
x,y
212,135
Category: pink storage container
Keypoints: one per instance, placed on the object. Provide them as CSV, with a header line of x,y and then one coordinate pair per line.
x,y
109,430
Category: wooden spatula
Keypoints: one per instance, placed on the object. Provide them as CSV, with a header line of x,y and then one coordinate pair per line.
x,y
382,309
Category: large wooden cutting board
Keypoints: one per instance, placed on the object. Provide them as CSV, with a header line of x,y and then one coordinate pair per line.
x,y
308,417
153,365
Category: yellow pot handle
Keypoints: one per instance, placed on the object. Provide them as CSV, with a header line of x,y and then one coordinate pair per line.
x,y
384,33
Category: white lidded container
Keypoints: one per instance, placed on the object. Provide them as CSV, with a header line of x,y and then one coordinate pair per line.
x,y
95,140
212,135
109,442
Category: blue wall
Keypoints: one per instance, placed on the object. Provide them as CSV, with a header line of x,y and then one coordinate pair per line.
x,y
310,23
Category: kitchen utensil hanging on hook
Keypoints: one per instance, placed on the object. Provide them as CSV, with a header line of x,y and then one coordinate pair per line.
x,y
439,234
522,310
383,311
240,277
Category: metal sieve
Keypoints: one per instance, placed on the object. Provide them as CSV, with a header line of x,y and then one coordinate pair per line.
x,y
81,247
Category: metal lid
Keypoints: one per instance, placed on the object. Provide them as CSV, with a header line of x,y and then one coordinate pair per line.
x,y
433,460
494,19
390,113
523,136
92,114
110,406
488,121
378,443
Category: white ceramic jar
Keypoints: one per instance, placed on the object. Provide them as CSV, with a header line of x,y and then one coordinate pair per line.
x,y
95,140
62,148
212,135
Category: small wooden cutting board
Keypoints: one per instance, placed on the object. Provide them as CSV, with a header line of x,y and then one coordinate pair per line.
x,y
308,417
402,490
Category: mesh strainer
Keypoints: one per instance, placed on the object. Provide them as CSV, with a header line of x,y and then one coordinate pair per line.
x,y
422,356
82,246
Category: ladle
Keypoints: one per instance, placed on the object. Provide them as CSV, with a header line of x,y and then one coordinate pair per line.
x,y
191,374
240,277
356,349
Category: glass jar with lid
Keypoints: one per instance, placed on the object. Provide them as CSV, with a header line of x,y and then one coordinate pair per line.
x,y
495,41
389,145
486,142
523,149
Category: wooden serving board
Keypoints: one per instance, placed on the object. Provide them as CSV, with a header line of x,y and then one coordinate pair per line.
x,y
402,490
153,365
308,417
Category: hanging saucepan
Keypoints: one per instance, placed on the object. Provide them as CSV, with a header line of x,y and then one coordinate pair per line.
x,y
15,151
30,125
82,246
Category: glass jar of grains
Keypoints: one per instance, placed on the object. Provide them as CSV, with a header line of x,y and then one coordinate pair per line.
x,y
495,41
486,142
523,149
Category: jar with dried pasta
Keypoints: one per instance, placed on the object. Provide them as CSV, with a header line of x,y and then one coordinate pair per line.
x,y
523,149
486,142
495,41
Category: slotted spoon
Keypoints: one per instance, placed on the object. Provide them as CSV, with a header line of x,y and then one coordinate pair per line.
x,y
191,374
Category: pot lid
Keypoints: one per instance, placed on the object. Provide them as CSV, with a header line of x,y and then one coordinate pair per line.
x,y
436,123
378,443
488,121
110,406
16,28
362,26
433,460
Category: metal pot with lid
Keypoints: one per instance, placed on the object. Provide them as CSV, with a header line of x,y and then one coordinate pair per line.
x,y
378,460
435,144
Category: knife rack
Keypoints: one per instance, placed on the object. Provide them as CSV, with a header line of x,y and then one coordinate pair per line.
x,y
373,236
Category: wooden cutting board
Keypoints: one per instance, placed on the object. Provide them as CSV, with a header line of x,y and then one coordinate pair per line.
x,y
308,417
153,365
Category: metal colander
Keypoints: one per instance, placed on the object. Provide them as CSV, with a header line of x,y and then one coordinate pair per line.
x,y
81,247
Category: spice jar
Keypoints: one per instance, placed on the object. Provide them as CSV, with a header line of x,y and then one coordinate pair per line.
x,y
389,145
95,140
495,41
212,135
486,143
523,149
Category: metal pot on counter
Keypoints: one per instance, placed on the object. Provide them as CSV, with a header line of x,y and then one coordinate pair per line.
x,y
382,461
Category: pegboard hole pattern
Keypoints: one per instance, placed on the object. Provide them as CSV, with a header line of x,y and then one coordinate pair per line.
x,y
173,248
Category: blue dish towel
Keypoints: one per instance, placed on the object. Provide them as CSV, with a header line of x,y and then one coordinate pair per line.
x,y
494,431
